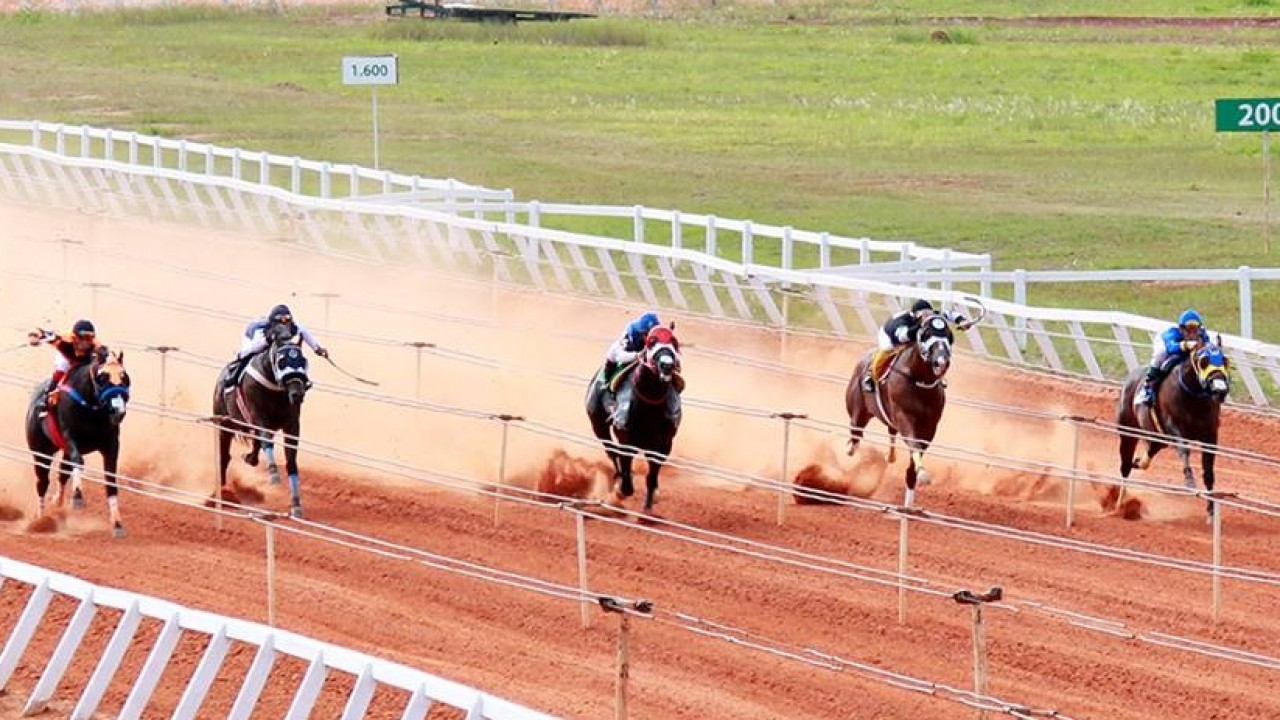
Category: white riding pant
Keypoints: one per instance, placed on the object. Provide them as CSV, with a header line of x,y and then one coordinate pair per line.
x,y
883,341
619,353
1158,352
60,362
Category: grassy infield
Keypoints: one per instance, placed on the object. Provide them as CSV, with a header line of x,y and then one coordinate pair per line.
x,y
1049,146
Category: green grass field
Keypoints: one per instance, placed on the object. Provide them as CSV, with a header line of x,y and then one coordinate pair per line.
x,y
1047,145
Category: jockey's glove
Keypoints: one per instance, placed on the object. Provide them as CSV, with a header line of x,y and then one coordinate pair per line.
x,y
323,352
1188,345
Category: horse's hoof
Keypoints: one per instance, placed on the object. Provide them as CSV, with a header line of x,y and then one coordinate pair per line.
x,y
1142,463
296,512
274,476
923,478
1189,483
251,459
118,531
77,503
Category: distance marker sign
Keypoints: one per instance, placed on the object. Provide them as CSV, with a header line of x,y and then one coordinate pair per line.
x,y
371,70
1247,114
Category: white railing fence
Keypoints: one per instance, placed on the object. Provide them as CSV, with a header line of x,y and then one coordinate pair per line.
x,y
1015,283
1101,345
321,658
718,237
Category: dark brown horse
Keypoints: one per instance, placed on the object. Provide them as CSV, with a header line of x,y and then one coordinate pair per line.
x,y
653,416
1187,406
91,405
908,399
265,399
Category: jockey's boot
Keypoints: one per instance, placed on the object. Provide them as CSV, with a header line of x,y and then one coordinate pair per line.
x,y
610,367
622,408
873,371
233,373
1147,390
54,387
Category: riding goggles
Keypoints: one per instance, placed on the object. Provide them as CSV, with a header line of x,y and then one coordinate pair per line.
x,y
283,319
86,335
1193,327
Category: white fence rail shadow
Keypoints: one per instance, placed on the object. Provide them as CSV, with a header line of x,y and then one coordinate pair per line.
x,y
1100,345
321,658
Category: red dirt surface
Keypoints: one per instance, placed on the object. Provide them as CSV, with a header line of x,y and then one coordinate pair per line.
x,y
530,648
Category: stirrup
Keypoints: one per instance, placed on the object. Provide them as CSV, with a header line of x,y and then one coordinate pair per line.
x,y
869,383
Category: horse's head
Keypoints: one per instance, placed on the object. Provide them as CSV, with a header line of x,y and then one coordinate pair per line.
x,y
1212,369
934,344
110,383
662,353
289,366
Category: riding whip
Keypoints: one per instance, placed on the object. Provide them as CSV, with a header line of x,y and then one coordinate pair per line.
x,y
357,378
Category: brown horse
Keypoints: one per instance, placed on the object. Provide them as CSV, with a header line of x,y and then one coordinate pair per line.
x,y
1187,406
908,399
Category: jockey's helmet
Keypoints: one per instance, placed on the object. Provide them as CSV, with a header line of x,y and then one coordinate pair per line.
x,y
280,314
648,321
921,306
83,329
1190,320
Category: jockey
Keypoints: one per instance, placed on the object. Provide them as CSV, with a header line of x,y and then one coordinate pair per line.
x,y
254,340
1171,348
74,349
899,330
627,348
623,405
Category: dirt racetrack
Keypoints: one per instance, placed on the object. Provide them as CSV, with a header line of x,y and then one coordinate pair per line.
x,y
529,648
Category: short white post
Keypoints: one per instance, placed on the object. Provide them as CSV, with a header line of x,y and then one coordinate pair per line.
x,y
327,297
1020,298
1246,302
1075,467
93,295
418,346
1217,553
271,573
502,462
967,597
785,492
164,351
580,529
903,534
623,668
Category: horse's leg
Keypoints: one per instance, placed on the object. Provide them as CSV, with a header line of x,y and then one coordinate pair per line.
x,y
291,432
893,446
1207,458
1188,477
626,487
655,460
859,411
110,460
76,463
1128,444
255,445
43,463
273,472
225,436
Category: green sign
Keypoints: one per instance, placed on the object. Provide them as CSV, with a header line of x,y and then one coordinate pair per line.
x,y
1247,114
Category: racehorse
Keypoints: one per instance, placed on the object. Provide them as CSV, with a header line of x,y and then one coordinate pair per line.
x,y
266,398
91,403
908,398
1187,407
654,415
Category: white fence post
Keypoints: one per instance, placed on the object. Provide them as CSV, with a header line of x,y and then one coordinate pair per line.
x,y
637,224
1246,303
711,248
1020,298
748,244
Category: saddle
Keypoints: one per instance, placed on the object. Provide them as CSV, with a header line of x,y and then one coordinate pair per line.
x,y
619,376
886,363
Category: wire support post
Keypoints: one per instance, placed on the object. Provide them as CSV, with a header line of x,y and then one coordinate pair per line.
x,y
418,346
164,351
977,601
624,610
501,485
784,478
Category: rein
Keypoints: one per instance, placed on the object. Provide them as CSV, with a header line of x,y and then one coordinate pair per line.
x,y
103,396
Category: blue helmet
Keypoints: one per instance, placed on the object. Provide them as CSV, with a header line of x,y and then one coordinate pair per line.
x,y
647,322
1188,317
